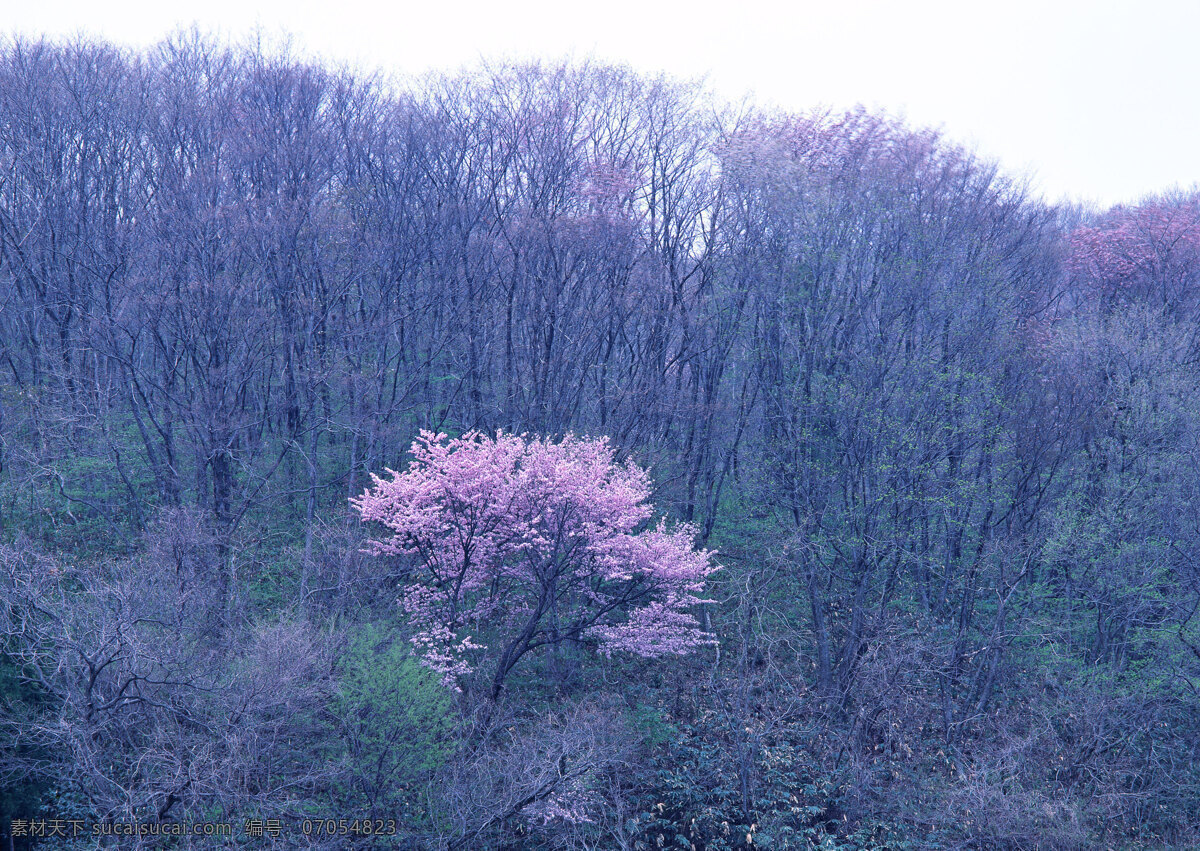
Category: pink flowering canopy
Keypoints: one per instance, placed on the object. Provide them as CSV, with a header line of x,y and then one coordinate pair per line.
x,y
523,543
1150,252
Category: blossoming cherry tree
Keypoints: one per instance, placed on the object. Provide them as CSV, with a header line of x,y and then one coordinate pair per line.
x,y
516,543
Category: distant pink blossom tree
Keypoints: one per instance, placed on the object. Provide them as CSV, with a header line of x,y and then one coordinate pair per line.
x,y
525,543
1149,253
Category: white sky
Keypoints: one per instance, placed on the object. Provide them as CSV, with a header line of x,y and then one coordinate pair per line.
x,y
1092,99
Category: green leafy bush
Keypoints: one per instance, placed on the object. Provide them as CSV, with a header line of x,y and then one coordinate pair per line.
x,y
396,718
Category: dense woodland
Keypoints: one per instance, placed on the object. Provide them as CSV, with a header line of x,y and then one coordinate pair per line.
x,y
942,439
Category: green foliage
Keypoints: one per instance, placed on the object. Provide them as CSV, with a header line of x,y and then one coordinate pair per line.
x,y
397,719
652,727
703,799
19,797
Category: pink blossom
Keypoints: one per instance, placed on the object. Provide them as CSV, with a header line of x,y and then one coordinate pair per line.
x,y
533,543
1149,253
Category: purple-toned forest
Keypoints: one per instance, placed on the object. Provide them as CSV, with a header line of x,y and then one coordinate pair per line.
x,y
553,457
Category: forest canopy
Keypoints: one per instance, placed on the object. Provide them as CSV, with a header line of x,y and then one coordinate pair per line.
x,y
941,437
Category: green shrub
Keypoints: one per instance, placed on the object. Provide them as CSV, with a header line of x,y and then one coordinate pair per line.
x,y
397,721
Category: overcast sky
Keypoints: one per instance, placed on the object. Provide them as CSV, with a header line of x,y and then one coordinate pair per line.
x,y
1092,99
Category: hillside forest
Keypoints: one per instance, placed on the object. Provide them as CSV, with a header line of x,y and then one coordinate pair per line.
x,y
549,456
